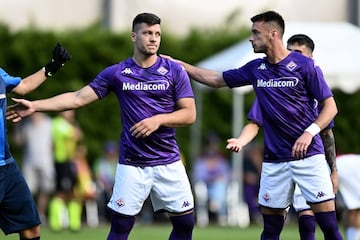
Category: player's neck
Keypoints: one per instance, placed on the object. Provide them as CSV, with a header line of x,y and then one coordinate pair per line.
x,y
277,54
144,61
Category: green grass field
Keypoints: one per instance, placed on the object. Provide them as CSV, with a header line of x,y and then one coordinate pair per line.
x,y
161,231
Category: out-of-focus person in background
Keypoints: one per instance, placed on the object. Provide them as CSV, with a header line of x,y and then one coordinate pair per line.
x,y
211,176
65,208
349,193
253,156
85,189
35,137
104,171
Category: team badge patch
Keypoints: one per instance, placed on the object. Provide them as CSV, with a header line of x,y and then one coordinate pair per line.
x,y
266,197
120,202
162,70
291,65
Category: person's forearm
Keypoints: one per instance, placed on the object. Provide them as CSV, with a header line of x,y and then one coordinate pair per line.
x,y
328,139
31,82
179,118
327,113
248,133
57,103
208,77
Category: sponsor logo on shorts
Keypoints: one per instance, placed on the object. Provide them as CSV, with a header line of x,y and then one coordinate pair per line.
x,y
185,204
266,197
320,194
120,202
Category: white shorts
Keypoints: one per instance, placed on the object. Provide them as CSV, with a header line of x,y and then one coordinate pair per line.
x,y
349,178
39,179
168,186
299,202
278,180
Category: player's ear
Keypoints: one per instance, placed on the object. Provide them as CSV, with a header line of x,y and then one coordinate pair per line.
x,y
274,32
133,36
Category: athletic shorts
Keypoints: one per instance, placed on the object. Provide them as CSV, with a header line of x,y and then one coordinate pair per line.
x,y
66,176
168,187
299,202
349,178
278,180
17,206
40,179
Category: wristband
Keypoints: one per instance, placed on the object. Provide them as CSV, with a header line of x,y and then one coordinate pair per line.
x,y
313,129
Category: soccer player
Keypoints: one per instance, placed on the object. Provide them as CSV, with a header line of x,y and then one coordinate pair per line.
x,y
155,97
307,223
285,83
349,191
18,213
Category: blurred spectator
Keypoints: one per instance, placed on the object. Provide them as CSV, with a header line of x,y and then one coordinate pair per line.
x,y
65,208
349,193
211,176
35,136
253,156
104,170
85,189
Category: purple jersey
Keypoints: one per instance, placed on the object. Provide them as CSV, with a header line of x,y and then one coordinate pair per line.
x,y
285,93
143,93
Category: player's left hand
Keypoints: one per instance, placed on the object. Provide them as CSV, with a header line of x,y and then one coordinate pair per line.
x,y
145,127
233,144
59,57
301,145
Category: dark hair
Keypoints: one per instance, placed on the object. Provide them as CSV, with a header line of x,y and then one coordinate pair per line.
x,y
270,16
302,39
148,18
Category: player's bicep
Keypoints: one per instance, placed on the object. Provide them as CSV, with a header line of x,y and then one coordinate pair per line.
x,y
185,103
85,96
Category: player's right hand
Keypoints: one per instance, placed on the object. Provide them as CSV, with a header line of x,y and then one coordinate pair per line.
x,y
20,110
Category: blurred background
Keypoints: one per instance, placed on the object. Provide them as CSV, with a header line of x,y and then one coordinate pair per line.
x,y
97,34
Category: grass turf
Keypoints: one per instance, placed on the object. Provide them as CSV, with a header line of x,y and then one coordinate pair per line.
x,y
161,231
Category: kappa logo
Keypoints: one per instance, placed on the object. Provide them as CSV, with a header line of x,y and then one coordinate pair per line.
x,y
262,66
320,194
127,71
185,204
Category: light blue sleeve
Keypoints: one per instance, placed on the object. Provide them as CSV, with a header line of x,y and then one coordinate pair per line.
x,y
10,81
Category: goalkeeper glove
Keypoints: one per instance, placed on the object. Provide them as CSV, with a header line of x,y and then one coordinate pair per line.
x,y
59,56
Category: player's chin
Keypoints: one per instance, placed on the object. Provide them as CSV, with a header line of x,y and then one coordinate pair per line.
x,y
152,51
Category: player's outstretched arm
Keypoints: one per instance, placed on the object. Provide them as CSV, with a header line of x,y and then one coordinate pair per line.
x,y
247,134
205,76
59,57
58,103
